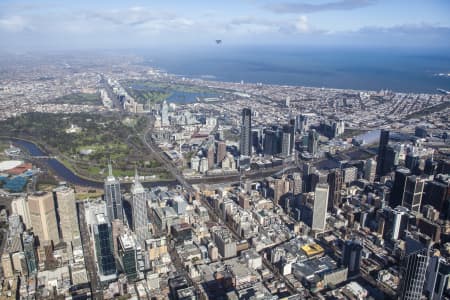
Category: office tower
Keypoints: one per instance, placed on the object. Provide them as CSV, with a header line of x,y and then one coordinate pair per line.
x,y
140,224
210,155
298,184
384,140
113,197
221,151
436,193
320,207
412,162
350,174
43,217
351,256
413,269
204,167
127,255
104,248
257,138
246,133
390,160
270,142
29,250
392,223
412,195
370,168
399,187
303,122
437,278
334,180
430,166
165,114
313,141
286,142
67,210
19,206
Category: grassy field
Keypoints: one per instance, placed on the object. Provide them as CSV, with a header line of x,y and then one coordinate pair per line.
x,y
107,137
79,98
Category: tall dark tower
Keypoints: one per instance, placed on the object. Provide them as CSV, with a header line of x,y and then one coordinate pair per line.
x,y
401,174
384,140
246,132
351,256
113,196
334,180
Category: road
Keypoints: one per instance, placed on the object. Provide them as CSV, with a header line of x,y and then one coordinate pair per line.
x,y
88,251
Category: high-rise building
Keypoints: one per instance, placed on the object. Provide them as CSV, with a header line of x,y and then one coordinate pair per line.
x,y
391,160
221,151
127,255
287,141
350,174
298,184
140,223
413,269
165,114
210,155
19,206
67,210
271,142
113,197
401,174
370,168
313,142
334,180
246,132
412,162
384,141
436,193
43,216
351,256
104,248
29,250
320,207
412,195
438,275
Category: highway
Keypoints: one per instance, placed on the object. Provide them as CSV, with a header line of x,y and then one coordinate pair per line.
x,y
88,251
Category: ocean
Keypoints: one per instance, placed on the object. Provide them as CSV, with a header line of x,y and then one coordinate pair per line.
x,y
361,69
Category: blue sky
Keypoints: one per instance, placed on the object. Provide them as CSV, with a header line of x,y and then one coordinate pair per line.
x,y
82,24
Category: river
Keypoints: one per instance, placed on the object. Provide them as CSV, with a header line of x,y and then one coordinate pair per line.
x,y
67,175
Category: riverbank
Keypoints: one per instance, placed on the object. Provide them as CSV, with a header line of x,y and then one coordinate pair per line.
x,y
35,149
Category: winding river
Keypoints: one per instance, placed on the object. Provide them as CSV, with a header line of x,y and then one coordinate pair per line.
x,y
66,174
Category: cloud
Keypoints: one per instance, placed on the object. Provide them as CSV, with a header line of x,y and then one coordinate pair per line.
x,y
293,8
408,29
14,24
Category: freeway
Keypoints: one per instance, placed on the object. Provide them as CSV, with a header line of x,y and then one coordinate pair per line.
x,y
88,251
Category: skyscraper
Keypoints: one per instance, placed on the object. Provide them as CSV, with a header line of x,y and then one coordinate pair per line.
x,y
320,207
29,251
104,248
43,216
313,141
210,155
287,140
334,180
221,151
384,140
140,224
370,168
113,197
412,195
413,269
246,132
351,256
68,220
399,187
127,254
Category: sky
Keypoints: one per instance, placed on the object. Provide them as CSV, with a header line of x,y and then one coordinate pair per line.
x,y
127,24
